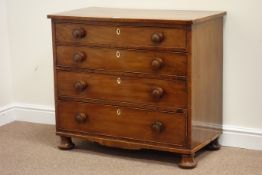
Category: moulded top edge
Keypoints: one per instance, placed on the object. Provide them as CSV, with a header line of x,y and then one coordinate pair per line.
x,y
138,15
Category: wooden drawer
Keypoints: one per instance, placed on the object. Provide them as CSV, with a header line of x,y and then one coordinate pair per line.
x,y
122,122
125,89
122,60
121,36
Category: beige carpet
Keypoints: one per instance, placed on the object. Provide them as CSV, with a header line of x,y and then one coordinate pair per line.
x,y
27,148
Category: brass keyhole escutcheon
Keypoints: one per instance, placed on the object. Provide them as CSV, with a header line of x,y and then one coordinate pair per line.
x,y
118,54
118,31
118,80
118,112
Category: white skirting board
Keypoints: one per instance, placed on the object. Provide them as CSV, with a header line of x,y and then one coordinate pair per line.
x,y
28,113
35,113
7,114
233,136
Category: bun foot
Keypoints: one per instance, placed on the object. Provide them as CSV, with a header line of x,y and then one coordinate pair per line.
x,y
188,161
214,145
66,143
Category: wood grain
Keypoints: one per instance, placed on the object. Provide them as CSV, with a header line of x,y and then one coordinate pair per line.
x,y
123,60
126,89
139,79
206,78
117,15
122,122
174,38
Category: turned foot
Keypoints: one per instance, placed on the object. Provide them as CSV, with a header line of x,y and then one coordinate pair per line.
x,y
66,143
214,145
188,161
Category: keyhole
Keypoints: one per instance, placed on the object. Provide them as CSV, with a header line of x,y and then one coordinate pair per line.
x,y
118,31
118,112
118,80
118,54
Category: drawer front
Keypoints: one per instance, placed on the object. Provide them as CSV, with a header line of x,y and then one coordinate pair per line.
x,y
122,36
122,60
125,89
122,122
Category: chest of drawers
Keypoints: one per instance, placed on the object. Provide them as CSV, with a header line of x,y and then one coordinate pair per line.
x,y
139,79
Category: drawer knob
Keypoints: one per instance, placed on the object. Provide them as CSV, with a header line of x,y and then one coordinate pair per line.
x,y
80,117
157,126
157,37
80,85
79,33
157,93
157,63
79,57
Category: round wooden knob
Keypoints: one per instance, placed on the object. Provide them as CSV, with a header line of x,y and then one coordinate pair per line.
x,y
80,117
157,93
157,37
79,33
157,126
79,57
80,85
157,63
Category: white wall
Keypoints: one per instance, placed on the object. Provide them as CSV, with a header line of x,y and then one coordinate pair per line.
x,y
30,38
5,64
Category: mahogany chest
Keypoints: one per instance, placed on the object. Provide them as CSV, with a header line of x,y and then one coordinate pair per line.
x,y
139,79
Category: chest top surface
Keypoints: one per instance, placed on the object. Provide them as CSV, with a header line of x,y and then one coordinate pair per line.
x,y
138,15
